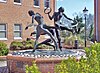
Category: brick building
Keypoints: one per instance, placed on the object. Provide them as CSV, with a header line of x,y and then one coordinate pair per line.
x,y
97,19
14,17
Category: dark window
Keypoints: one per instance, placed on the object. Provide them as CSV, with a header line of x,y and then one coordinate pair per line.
x,y
17,1
47,3
36,2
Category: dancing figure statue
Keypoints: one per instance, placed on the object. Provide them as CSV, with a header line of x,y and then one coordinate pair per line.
x,y
42,29
57,16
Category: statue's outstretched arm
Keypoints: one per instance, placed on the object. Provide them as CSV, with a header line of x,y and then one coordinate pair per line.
x,y
51,17
67,17
30,25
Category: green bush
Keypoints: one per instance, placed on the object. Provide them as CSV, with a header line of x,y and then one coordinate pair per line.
x,y
32,69
71,41
90,64
43,46
16,45
28,44
3,49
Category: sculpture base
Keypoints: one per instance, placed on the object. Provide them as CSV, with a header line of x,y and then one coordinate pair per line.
x,y
46,61
17,64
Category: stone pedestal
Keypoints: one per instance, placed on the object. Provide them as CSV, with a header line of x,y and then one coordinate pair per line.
x,y
16,64
45,59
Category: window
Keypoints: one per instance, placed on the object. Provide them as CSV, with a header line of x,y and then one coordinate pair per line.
x,y
17,2
17,31
3,0
36,3
3,32
46,3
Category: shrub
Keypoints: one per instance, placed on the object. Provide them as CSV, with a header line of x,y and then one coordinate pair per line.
x,y
43,46
32,69
28,44
71,41
3,49
16,45
90,64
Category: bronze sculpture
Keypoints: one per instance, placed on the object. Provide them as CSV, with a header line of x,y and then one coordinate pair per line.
x,y
57,17
42,29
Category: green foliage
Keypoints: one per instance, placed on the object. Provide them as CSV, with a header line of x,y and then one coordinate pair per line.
x,y
91,31
80,25
16,45
32,69
90,64
3,49
78,31
43,46
71,40
63,33
28,44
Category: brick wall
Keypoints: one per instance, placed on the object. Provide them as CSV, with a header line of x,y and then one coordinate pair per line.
x,y
16,64
97,20
11,13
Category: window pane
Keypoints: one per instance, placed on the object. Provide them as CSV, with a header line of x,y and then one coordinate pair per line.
x,y
17,34
47,3
17,30
36,2
17,27
18,1
2,34
2,27
2,30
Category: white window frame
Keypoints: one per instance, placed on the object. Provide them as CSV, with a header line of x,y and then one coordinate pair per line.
x,y
5,31
18,3
20,31
37,6
3,1
45,2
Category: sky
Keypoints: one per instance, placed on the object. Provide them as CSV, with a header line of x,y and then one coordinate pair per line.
x,y
72,6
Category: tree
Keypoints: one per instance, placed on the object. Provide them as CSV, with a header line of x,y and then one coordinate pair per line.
x,y
90,26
